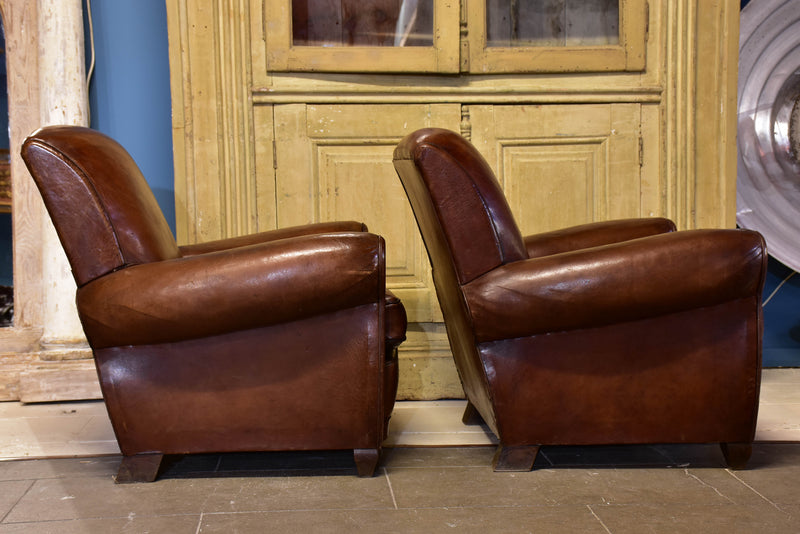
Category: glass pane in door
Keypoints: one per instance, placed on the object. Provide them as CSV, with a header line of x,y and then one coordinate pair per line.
x,y
552,22
362,22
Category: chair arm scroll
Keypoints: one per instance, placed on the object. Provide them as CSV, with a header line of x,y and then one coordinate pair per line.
x,y
615,283
271,235
231,290
594,235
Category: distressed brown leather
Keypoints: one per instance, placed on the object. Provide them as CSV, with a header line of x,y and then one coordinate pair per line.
x,y
594,234
114,219
282,340
236,289
611,332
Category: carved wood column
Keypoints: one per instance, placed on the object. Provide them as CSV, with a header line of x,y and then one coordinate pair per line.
x,y
44,356
63,369
63,100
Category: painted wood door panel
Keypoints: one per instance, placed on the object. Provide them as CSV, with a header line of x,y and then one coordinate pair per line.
x,y
334,162
552,22
357,36
555,36
562,165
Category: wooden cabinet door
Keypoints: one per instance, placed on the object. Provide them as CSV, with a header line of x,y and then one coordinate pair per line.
x,y
556,35
358,36
562,165
334,162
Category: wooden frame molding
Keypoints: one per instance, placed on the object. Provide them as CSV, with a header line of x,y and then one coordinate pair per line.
x,y
30,370
255,143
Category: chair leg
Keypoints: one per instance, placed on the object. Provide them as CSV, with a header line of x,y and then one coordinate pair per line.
x,y
520,458
736,454
471,415
139,468
366,461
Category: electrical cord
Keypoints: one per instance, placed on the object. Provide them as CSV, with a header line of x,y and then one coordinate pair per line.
x,y
91,63
766,301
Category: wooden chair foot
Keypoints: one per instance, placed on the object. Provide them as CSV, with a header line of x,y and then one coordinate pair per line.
x,y
471,415
139,468
366,461
736,454
519,458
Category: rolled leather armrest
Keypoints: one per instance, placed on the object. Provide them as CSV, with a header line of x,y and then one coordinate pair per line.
x,y
616,283
272,235
396,319
594,235
231,290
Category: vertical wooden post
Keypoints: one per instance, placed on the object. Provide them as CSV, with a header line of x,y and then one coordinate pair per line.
x,y
63,100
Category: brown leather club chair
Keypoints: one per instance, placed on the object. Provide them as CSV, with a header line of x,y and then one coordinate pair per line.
x,y
608,333
282,340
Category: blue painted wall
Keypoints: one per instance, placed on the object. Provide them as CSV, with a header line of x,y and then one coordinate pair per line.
x,y
129,97
4,142
129,94
781,317
6,257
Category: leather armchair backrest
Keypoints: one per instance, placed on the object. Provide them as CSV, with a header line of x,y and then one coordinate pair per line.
x,y
468,230
103,210
476,222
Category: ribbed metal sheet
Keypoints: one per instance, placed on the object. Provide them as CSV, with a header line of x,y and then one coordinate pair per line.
x,y
768,188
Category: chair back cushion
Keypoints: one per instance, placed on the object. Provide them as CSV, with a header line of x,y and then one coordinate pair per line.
x,y
103,210
451,186
468,230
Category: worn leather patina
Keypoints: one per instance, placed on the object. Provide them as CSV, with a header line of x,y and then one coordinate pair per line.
x,y
282,340
612,332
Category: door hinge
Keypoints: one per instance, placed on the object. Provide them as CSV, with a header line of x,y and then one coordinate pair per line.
x,y
274,155
641,152
463,38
